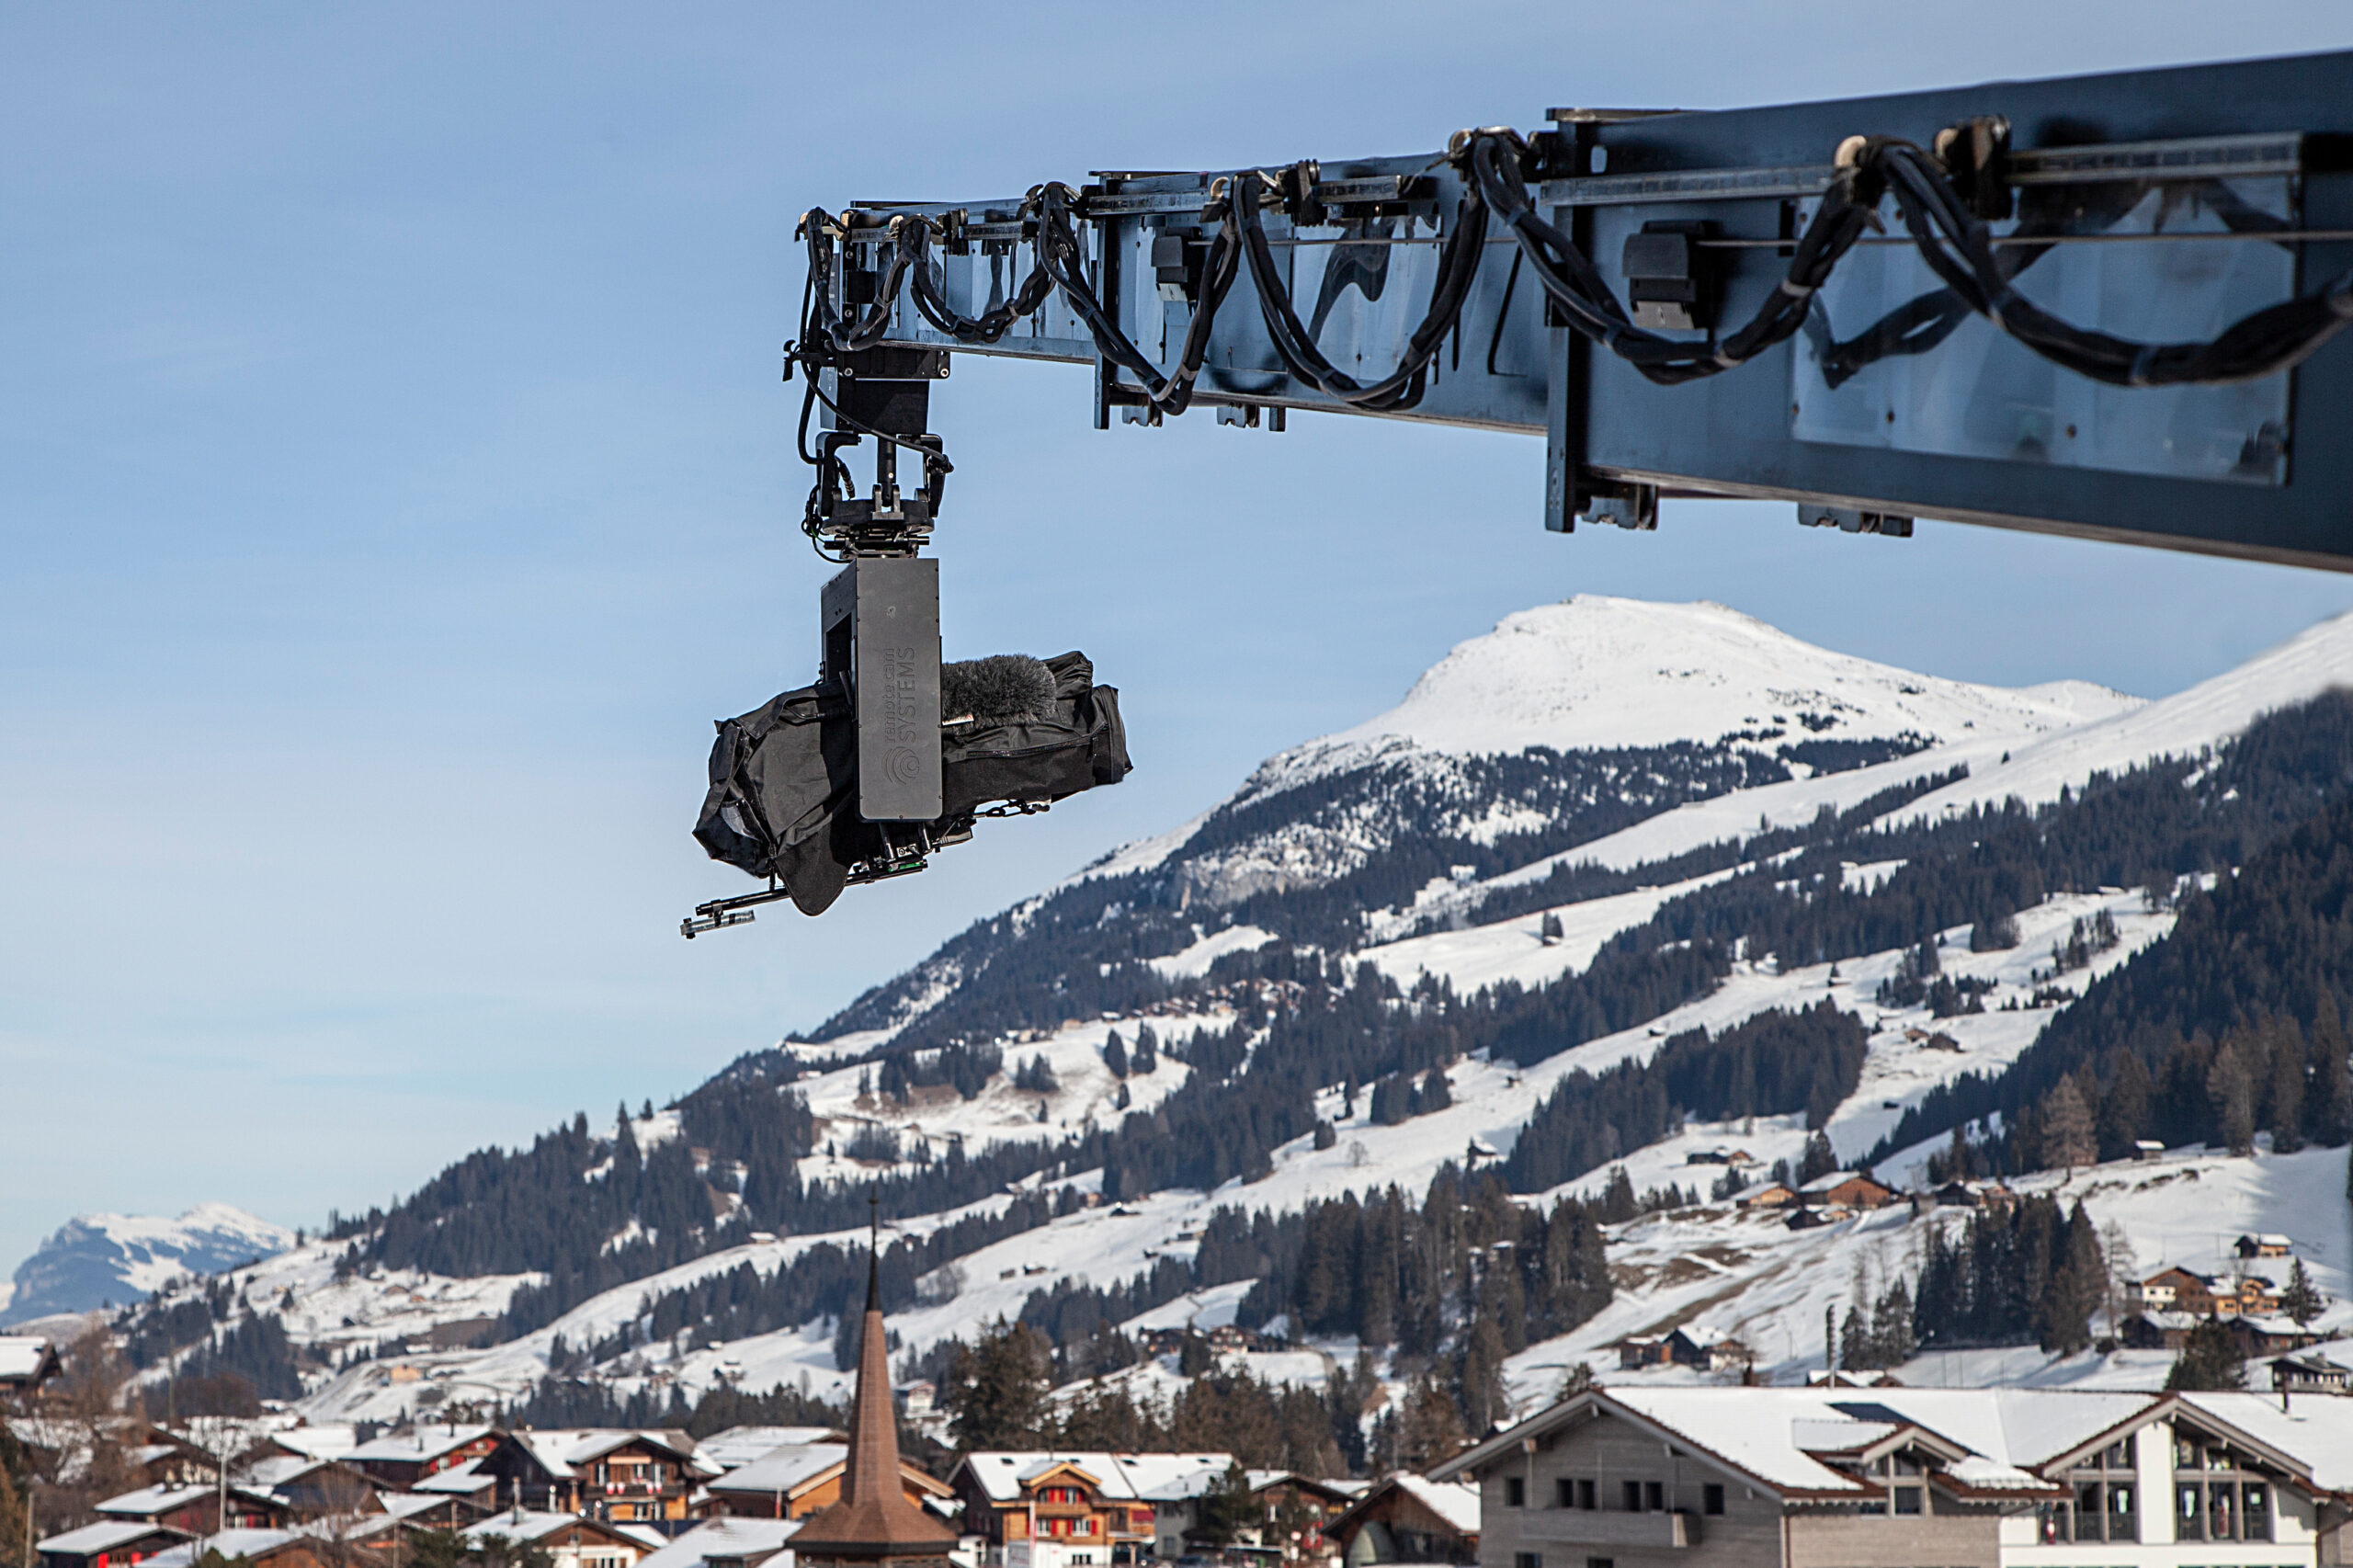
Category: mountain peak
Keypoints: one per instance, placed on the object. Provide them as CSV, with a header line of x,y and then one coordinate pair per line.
x,y
94,1259
1601,672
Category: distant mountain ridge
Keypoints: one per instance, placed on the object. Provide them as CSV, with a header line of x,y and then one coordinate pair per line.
x,y
97,1260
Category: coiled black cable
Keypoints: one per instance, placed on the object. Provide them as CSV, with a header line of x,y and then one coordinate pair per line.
x,y
1064,260
1586,299
1958,247
1403,387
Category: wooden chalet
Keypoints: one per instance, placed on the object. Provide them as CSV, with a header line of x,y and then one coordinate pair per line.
x,y
198,1507
612,1473
402,1461
1097,1509
27,1362
1406,1518
247,1549
1294,1511
569,1540
1846,1189
793,1480
109,1543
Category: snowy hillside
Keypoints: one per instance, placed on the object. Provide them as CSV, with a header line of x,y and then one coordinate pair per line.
x,y
95,1260
1594,857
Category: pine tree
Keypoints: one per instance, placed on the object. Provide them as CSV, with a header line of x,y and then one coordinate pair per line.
x,y
1817,1159
1147,1052
2283,1086
997,1388
2230,1091
2301,1300
1115,1055
2210,1361
2331,1115
2067,1136
1430,1431
2077,1282
2124,1108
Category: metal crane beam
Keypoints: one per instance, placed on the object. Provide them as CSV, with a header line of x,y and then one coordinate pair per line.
x,y
2154,206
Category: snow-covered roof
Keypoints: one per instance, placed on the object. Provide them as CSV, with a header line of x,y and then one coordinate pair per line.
x,y
783,1469
560,1451
1456,1502
104,1536
231,1544
2315,1431
21,1356
1838,1435
1785,1436
1839,1179
1135,1477
459,1479
521,1524
326,1440
407,1504
725,1538
420,1443
149,1501
278,1469
741,1445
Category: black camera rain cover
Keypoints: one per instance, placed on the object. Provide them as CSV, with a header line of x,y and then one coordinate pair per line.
x,y
783,797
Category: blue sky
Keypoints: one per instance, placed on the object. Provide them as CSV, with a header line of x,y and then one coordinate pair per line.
x,y
395,483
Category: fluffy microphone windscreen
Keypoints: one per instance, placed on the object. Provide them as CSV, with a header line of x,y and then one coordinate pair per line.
x,y
1002,688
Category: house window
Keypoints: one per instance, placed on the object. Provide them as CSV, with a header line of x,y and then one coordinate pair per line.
x,y
1633,1497
1526,1560
1585,1496
1653,1496
1907,1500
1711,1498
1515,1496
1564,1493
1600,1563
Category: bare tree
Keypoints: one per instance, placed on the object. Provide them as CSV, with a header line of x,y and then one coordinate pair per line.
x,y
74,1437
2123,1272
342,1518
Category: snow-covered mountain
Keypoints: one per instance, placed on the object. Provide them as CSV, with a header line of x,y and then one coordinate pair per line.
x,y
1604,827
96,1260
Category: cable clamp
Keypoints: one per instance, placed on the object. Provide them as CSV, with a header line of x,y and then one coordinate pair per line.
x,y
2139,375
1797,290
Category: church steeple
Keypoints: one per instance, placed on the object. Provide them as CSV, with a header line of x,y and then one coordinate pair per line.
x,y
874,1523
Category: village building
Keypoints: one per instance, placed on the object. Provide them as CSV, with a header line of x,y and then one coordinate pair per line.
x,y
727,1543
2270,1243
2309,1374
110,1543
569,1540
1709,1349
1846,1189
617,1474
1293,1512
795,1480
472,1491
1894,1477
202,1508
1410,1519
873,1524
739,1446
1104,1509
26,1363
400,1462
1768,1194
258,1547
